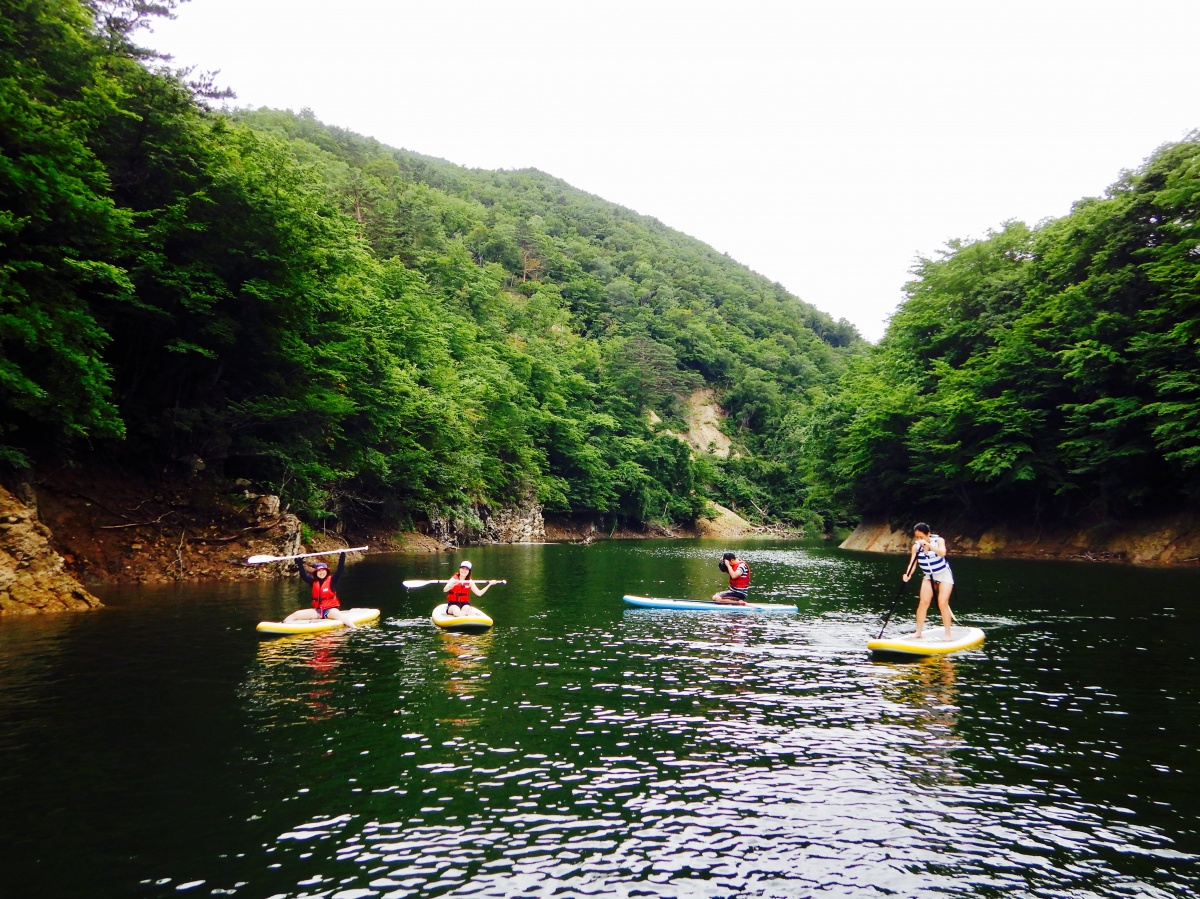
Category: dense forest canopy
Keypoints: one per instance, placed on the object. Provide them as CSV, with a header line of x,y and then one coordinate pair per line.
x,y
370,331
1048,373
362,329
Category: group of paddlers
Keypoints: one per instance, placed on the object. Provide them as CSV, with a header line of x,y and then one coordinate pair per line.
x,y
928,552
325,602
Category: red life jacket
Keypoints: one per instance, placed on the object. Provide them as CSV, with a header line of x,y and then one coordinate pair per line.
x,y
740,582
460,593
323,595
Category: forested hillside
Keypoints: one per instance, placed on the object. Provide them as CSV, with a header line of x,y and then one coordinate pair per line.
x,y
364,330
1038,376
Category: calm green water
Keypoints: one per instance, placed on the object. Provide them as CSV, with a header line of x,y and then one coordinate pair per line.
x,y
582,748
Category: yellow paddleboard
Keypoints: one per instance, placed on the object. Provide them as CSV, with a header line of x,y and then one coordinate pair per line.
x,y
317,625
474,620
933,642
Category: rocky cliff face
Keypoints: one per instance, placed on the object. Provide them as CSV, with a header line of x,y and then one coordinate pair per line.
x,y
32,578
523,523
1170,540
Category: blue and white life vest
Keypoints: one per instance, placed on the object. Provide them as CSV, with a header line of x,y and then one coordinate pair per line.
x,y
931,562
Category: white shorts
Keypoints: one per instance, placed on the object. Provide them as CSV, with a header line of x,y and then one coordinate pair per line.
x,y
945,576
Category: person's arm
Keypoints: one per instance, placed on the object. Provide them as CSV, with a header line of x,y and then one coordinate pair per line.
x,y
304,575
939,547
338,572
912,562
450,583
477,591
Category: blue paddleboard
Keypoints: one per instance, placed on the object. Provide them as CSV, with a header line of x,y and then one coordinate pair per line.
x,y
705,605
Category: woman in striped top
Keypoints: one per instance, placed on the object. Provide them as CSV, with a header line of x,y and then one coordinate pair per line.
x,y
929,551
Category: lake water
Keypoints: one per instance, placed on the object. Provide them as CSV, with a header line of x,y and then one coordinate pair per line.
x,y
160,748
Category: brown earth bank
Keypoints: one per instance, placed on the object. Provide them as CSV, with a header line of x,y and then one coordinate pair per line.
x,y
724,525
1166,540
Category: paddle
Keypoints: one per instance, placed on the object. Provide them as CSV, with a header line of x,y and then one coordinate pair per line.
x,y
260,560
895,599
413,585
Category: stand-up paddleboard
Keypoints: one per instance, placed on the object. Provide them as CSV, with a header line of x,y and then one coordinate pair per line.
x,y
705,605
475,620
317,625
932,643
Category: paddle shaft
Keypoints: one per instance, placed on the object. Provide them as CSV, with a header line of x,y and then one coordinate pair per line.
x,y
888,617
262,560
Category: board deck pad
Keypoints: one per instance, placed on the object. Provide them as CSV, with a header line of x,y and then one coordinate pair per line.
x,y
704,605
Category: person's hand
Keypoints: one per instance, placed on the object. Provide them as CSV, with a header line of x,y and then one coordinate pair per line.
x,y
905,577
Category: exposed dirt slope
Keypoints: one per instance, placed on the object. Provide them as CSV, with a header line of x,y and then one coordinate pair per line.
x,y
1173,540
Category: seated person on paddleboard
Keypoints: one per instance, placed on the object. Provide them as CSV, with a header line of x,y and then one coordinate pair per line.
x,y
739,580
929,551
325,603
460,587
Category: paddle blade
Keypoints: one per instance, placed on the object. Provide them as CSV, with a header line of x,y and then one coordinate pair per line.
x,y
258,560
413,585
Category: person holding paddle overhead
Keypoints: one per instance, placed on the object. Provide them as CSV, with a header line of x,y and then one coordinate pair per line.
x,y
739,580
929,552
325,603
459,589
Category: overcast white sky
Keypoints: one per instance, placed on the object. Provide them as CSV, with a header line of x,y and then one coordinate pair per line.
x,y
824,144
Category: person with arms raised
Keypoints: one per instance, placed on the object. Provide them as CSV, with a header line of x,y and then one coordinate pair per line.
x,y
325,603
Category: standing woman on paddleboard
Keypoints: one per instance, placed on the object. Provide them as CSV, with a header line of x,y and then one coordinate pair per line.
x,y
325,603
459,589
929,551
739,580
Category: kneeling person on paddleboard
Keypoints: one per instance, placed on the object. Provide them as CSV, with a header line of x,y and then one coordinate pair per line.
x,y
325,603
929,552
459,589
739,580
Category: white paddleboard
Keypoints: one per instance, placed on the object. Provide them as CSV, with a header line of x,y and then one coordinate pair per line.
x,y
933,642
475,620
317,625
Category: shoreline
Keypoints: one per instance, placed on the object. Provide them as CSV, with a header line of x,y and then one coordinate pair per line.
x,y
105,527
1171,541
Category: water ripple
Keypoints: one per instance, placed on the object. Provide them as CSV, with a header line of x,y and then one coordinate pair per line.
x,y
673,757
582,748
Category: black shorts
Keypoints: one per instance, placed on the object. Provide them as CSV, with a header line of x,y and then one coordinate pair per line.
x,y
733,594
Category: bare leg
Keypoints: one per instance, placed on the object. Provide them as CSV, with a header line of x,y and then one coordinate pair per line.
x,y
336,615
944,591
926,597
726,600
303,615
